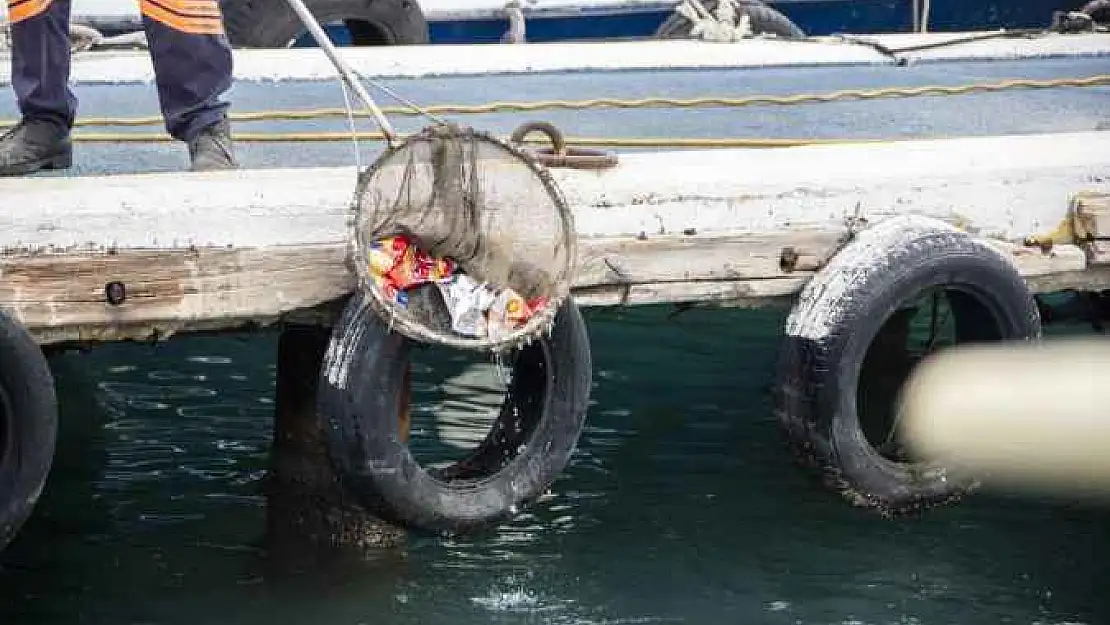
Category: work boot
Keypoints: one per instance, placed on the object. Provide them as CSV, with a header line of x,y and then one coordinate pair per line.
x,y
32,145
212,148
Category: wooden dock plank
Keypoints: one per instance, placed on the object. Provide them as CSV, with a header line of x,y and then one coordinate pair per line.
x,y
1005,187
223,249
62,297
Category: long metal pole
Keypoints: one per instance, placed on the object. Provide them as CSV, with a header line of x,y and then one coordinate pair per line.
x,y
344,70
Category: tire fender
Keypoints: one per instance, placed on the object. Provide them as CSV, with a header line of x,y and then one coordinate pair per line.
x,y
529,445
764,20
837,316
28,425
272,24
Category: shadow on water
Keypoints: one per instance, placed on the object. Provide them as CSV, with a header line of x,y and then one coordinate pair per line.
x,y
680,505
71,517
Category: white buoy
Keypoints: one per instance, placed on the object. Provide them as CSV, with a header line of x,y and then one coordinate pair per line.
x,y
1029,416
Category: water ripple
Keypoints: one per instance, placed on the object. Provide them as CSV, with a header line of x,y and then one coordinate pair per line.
x,y
678,505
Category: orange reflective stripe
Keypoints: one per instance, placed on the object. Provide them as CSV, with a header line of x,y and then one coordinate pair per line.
x,y
196,17
206,8
190,8
19,10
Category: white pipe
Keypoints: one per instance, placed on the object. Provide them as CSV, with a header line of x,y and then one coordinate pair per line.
x,y
344,70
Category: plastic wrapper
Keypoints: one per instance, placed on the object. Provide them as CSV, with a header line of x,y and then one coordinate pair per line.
x,y
467,302
396,265
476,309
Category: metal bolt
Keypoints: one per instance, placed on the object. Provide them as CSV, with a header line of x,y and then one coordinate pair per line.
x,y
115,292
788,260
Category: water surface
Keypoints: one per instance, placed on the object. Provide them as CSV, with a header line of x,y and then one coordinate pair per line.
x,y
680,505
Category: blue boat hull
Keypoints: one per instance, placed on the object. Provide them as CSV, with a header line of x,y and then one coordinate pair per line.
x,y
815,17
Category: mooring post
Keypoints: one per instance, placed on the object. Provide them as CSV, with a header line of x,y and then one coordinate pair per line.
x,y
308,509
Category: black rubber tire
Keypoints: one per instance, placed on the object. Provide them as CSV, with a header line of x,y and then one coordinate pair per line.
x,y
272,24
28,425
1099,10
531,442
765,20
835,321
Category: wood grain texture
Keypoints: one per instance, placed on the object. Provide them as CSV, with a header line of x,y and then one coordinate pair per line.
x,y
61,297
1091,212
1003,187
217,250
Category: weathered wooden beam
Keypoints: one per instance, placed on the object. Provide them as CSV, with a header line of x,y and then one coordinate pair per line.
x,y
63,297
223,250
1091,222
1004,187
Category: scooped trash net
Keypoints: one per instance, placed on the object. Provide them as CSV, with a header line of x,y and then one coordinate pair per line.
x,y
462,240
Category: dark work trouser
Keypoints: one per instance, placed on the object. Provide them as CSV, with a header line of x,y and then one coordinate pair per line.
x,y
188,47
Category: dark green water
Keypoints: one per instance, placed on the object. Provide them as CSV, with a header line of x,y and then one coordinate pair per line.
x,y
680,506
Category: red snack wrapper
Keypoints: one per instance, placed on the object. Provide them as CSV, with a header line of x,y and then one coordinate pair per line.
x,y
396,265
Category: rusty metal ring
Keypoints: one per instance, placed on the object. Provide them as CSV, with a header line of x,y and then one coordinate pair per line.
x,y
559,155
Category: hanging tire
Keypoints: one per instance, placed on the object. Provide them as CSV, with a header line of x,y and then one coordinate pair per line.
x,y
765,20
1098,10
272,24
28,425
528,446
841,367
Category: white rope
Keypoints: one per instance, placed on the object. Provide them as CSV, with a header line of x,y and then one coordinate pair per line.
x,y
351,123
516,32
83,38
726,12
721,28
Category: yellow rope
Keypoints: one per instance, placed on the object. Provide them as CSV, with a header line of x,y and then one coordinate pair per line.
x,y
618,142
500,107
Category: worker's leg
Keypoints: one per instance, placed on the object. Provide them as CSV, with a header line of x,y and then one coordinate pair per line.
x,y
192,67
40,77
